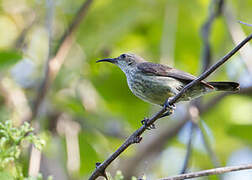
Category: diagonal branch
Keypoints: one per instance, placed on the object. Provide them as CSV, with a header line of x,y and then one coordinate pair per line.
x,y
209,172
135,137
54,62
152,147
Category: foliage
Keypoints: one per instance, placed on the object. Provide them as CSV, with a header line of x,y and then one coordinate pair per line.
x,y
11,140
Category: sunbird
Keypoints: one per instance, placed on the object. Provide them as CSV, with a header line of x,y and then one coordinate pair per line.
x,y
155,83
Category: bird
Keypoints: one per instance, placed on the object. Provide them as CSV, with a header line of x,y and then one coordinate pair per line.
x,y
155,83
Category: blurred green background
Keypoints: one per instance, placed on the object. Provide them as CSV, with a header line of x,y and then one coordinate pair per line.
x,y
88,110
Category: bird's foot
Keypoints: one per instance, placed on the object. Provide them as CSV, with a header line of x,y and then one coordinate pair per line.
x,y
169,107
149,127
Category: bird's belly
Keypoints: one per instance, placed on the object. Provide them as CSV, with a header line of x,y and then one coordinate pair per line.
x,y
154,89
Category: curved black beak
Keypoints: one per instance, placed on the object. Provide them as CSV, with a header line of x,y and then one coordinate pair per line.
x,y
111,60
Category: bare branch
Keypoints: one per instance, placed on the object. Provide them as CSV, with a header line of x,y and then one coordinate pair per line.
x,y
135,137
152,147
209,172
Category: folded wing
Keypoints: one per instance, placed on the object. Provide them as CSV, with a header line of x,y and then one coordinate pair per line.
x,y
153,69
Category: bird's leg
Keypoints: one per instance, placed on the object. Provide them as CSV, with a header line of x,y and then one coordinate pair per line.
x,y
169,107
144,122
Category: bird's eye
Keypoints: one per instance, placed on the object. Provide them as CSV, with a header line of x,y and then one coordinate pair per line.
x,y
130,61
123,56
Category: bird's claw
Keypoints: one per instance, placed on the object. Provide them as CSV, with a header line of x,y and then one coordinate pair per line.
x,y
151,126
169,106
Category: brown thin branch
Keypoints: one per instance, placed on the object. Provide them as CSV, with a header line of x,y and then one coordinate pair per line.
x,y
55,62
152,146
209,172
135,137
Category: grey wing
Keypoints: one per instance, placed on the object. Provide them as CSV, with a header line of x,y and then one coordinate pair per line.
x,y
162,70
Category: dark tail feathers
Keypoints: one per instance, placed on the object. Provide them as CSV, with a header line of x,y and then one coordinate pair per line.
x,y
225,86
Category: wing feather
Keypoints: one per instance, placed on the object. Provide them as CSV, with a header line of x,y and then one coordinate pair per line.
x,y
153,69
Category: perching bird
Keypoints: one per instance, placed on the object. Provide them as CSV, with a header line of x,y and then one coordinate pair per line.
x,y
155,83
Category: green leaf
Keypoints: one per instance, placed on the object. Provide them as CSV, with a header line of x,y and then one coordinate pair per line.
x,y
241,131
8,59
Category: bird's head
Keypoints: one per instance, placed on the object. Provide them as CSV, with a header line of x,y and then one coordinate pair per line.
x,y
125,61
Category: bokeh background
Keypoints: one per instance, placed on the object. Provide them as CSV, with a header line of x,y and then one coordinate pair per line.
x,y
88,110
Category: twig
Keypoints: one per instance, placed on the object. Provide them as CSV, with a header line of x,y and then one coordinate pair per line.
x,y
54,63
135,137
152,147
245,23
209,172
